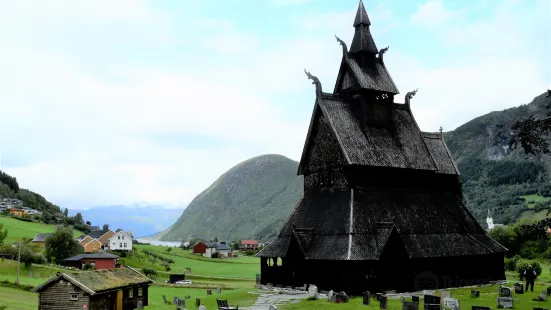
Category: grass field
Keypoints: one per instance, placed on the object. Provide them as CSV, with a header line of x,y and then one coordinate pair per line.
x,y
18,230
531,200
531,214
238,267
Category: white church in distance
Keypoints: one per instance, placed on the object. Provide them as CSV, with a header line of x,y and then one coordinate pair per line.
x,y
490,221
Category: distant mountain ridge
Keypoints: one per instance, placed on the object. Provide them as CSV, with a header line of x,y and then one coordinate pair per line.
x,y
251,200
254,198
140,220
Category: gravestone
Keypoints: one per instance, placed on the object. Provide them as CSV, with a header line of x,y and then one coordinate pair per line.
x,y
480,308
383,302
341,296
549,290
164,298
543,295
176,301
431,300
197,302
331,296
140,304
272,307
415,299
427,292
505,302
445,294
202,307
505,292
378,296
209,292
313,292
475,293
519,288
432,307
258,278
218,290
451,303
410,305
366,298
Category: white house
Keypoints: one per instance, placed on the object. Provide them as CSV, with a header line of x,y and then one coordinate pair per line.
x,y
120,241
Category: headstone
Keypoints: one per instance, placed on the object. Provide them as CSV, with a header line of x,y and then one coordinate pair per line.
x,y
383,302
140,304
410,305
202,307
218,290
451,303
426,292
366,298
164,298
197,302
431,300
432,307
175,301
475,293
505,292
331,296
415,298
549,290
519,288
505,302
445,294
272,307
481,308
342,297
543,295
313,292
209,292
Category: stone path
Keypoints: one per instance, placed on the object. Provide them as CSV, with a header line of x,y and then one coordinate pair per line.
x,y
266,299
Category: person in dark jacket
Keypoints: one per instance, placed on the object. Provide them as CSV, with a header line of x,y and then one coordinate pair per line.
x,y
530,275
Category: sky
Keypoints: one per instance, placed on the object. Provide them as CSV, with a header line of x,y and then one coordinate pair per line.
x,y
135,102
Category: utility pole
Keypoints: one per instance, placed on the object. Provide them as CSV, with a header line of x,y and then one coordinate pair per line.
x,y
18,264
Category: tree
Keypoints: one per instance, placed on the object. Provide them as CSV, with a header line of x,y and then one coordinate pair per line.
x,y
66,212
3,233
105,226
168,249
79,219
88,223
532,133
61,245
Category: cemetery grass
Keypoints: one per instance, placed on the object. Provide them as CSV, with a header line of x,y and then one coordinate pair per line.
x,y
16,299
17,230
240,297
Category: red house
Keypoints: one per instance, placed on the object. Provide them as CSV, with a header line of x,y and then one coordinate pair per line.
x,y
248,245
100,260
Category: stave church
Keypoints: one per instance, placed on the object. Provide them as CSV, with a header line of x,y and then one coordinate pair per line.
x,y
382,207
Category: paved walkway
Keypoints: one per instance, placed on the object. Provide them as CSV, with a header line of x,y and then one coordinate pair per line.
x,y
265,300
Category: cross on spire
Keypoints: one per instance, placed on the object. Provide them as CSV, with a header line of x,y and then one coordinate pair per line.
x,y
440,129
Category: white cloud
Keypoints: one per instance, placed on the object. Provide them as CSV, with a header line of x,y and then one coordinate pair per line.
x,y
432,13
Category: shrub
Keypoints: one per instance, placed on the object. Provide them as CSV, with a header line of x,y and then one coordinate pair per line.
x,y
167,267
149,272
123,254
88,267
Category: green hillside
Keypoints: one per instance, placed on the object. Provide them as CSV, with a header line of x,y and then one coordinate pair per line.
x,y
18,230
251,200
508,182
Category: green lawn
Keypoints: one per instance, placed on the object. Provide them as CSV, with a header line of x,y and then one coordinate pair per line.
x,y
18,230
17,299
239,267
531,200
240,297
531,214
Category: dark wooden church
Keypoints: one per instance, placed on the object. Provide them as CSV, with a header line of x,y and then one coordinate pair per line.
x,y
382,206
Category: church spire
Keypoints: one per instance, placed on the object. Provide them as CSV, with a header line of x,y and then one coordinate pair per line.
x,y
363,41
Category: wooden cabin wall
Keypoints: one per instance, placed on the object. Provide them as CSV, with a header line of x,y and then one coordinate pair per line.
x,y
103,301
58,297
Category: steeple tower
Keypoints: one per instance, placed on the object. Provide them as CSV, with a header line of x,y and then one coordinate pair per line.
x,y
363,47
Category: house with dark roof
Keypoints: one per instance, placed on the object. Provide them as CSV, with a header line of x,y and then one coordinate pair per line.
x,y
121,288
382,207
208,249
40,239
99,260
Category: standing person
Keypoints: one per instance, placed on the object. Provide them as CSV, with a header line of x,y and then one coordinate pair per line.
x,y
530,275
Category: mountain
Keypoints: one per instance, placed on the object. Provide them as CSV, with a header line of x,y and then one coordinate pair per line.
x,y
254,198
251,200
507,182
140,220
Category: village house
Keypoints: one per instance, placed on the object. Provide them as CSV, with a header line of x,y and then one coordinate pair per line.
x,y
208,249
100,260
383,206
16,212
40,239
102,236
248,245
120,241
90,245
117,289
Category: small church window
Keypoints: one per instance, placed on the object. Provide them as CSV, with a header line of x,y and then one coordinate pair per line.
x,y
74,296
140,291
130,293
